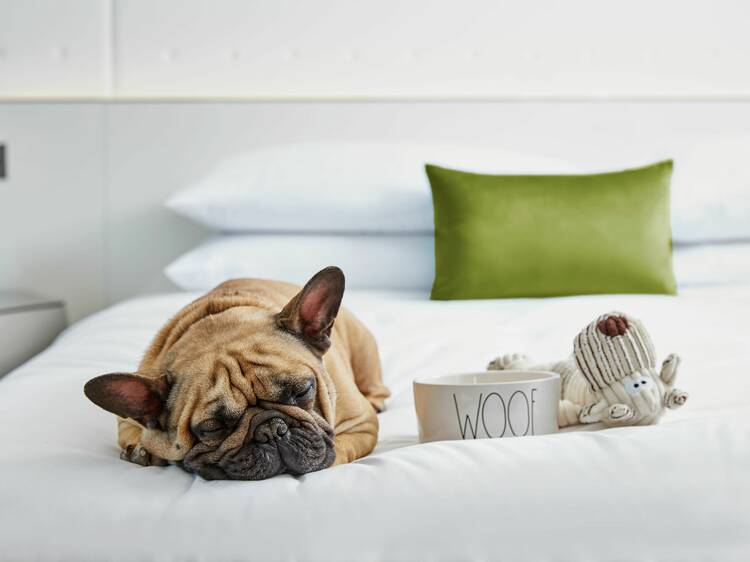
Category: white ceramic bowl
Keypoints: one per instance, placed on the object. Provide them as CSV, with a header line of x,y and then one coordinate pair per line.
x,y
485,405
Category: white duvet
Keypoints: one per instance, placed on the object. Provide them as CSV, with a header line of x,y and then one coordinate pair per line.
x,y
676,491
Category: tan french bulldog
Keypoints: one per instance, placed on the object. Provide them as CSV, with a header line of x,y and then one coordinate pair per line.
x,y
251,380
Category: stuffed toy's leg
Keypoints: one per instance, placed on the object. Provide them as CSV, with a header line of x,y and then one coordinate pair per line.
x,y
521,362
510,362
675,398
669,369
602,411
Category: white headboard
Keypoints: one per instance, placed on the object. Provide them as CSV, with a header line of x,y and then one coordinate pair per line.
x,y
390,49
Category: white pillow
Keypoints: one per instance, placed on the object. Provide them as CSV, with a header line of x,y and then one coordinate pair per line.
x,y
391,261
376,187
711,190
336,187
368,261
712,264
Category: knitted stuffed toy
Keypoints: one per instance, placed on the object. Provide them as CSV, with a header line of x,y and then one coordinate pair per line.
x,y
612,376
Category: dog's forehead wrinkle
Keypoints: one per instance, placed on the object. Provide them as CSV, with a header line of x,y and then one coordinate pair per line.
x,y
221,395
263,367
259,388
238,384
257,357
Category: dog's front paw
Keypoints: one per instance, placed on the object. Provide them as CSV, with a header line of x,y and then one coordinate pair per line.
x,y
508,362
620,414
377,403
138,455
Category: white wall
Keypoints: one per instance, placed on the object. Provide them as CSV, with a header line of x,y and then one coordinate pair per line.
x,y
52,202
373,49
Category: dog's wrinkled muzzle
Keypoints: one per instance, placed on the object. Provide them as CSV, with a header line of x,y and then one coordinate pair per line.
x,y
276,439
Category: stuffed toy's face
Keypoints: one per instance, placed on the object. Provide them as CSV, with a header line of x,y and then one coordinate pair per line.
x,y
639,397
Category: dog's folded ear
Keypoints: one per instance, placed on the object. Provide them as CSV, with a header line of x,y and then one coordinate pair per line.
x,y
129,396
310,314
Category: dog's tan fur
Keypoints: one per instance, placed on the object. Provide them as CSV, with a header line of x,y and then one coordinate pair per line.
x,y
227,347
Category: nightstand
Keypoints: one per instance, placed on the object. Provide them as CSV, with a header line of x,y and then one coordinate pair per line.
x,y
28,324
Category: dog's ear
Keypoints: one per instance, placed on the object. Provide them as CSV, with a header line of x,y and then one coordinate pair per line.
x,y
310,314
129,396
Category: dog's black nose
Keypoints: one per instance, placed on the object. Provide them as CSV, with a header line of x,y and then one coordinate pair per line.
x,y
271,429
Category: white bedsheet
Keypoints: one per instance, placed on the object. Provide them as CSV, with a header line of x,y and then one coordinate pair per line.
x,y
676,491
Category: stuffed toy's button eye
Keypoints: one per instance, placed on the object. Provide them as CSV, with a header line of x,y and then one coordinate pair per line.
x,y
634,387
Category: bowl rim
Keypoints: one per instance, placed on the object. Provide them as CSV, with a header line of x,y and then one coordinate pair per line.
x,y
531,376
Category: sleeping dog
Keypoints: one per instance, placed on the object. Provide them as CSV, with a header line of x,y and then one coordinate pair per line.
x,y
251,380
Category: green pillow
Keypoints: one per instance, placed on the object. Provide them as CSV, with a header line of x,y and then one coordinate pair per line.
x,y
540,236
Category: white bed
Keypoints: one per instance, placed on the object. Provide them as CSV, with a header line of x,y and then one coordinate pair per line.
x,y
676,491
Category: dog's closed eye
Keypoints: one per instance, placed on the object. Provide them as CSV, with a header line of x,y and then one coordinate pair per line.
x,y
210,429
